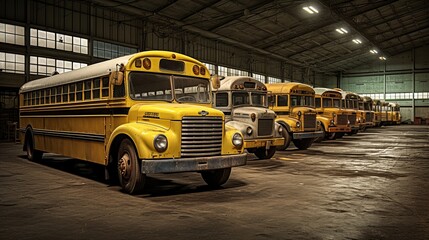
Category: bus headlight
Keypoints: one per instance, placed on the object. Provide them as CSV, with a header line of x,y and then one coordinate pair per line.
x,y
160,143
299,113
298,124
237,140
332,123
249,131
280,129
334,114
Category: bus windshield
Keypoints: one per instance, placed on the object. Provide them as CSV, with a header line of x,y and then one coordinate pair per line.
x,y
337,103
301,101
152,86
259,99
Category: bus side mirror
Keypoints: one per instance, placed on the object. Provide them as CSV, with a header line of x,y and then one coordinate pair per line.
x,y
215,81
116,78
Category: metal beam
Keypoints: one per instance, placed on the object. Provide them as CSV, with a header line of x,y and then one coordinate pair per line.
x,y
198,11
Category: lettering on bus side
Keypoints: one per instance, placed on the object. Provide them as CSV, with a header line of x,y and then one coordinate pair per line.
x,y
151,115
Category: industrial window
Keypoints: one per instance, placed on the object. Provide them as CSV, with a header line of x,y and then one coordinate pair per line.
x,y
222,71
109,50
211,67
47,66
58,41
259,77
12,63
274,80
237,72
12,34
421,95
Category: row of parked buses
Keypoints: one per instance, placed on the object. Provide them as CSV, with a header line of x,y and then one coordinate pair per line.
x,y
155,112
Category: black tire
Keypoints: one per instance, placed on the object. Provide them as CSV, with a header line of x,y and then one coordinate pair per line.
x,y
129,172
330,136
320,139
303,144
217,177
263,153
32,154
286,135
355,131
339,135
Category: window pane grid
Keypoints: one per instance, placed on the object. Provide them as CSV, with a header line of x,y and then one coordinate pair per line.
x,y
12,34
12,63
47,66
58,41
110,50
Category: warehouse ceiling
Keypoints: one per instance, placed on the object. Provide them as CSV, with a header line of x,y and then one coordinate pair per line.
x,y
327,36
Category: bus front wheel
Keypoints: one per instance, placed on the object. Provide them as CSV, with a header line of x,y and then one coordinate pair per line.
x,y
32,154
287,137
217,177
130,177
303,144
263,153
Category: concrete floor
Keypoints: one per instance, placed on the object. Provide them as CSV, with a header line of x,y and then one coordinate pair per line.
x,y
371,186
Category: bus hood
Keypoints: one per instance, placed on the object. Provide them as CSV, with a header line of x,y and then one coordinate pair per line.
x,y
246,113
171,111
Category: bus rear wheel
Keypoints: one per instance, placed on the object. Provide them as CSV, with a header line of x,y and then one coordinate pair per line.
x,y
303,144
130,177
217,177
287,137
32,154
263,153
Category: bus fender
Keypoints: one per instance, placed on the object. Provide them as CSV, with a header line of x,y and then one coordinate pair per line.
x,y
142,136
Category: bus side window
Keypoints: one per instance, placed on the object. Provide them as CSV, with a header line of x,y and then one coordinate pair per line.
x,y
105,87
96,88
119,91
59,94
79,88
282,101
221,99
65,93
72,92
48,96
318,103
53,91
42,96
37,97
87,90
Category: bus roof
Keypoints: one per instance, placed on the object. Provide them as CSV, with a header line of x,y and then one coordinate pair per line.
x,y
228,83
367,99
289,87
347,94
321,91
97,70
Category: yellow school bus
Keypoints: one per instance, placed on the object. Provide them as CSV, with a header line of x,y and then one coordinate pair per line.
x,y
334,120
349,102
386,113
243,100
368,111
294,105
376,107
149,112
396,113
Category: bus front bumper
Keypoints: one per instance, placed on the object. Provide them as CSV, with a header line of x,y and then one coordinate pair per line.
x,y
339,129
192,164
257,143
302,135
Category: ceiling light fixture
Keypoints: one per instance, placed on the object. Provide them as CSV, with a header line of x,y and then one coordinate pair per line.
x,y
382,58
357,41
373,51
311,9
341,30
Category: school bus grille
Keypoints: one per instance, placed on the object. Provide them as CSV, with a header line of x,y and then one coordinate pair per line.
x,y
201,136
368,116
352,119
309,121
342,119
265,127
